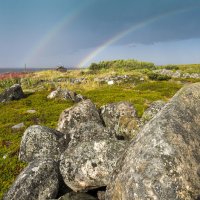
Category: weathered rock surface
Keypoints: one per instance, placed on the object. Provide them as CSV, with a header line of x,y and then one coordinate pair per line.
x,y
89,164
77,196
13,93
89,131
163,161
65,94
18,126
84,112
120,117
153,109
38,181
42,142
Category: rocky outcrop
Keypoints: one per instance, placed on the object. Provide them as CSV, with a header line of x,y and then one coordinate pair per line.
x,y
162,162
15,92
65,95
39,142
38,181
83,112
89,164
120,117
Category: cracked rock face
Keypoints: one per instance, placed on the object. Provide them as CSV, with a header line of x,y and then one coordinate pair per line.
x,y
13,93
84,112
89,164
120,117
39,180
42,142
162,162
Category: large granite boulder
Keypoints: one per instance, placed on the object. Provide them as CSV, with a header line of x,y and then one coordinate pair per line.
x,y
65,95
84,112
38,181
121,117
162,162
89,131
89,164
15,92
40,142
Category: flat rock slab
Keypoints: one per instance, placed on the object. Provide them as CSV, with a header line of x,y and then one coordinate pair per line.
x,y
38,181
41,142
163,162
90,164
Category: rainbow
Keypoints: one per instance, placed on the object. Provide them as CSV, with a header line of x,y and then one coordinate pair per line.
x,y
44,41
131,29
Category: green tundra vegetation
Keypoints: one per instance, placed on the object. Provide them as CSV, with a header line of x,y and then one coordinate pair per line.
x,y
140,89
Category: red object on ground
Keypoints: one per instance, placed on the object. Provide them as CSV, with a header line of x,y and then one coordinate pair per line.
x,y
9,75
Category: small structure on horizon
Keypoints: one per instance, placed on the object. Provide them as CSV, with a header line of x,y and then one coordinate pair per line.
x,y
61,68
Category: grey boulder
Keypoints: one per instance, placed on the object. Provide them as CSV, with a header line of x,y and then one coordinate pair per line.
x,y
162,162
89,131
84,112
38,181
120,117
41,142
65,95
89,164
15,92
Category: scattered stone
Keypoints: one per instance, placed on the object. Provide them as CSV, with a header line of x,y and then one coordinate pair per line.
x,y
65,95
31,111
38,181
13,93
39,142
18,126
84,112
120,117
162,162
89,164
110,82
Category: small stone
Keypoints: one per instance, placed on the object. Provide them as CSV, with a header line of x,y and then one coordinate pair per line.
x,y
18,126
31,111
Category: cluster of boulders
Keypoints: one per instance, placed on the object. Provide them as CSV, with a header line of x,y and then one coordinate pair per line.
x,y
65,94
15,92
116,79
177,74
109,155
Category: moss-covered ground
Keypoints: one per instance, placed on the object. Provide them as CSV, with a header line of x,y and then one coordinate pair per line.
x,y
38,85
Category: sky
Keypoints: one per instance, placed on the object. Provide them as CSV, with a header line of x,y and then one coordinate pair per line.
x,y
75,33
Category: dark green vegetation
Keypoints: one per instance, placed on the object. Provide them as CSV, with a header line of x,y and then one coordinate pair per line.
x,y
140,92
124,64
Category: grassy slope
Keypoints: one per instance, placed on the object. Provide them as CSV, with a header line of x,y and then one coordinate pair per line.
x,y
140,93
